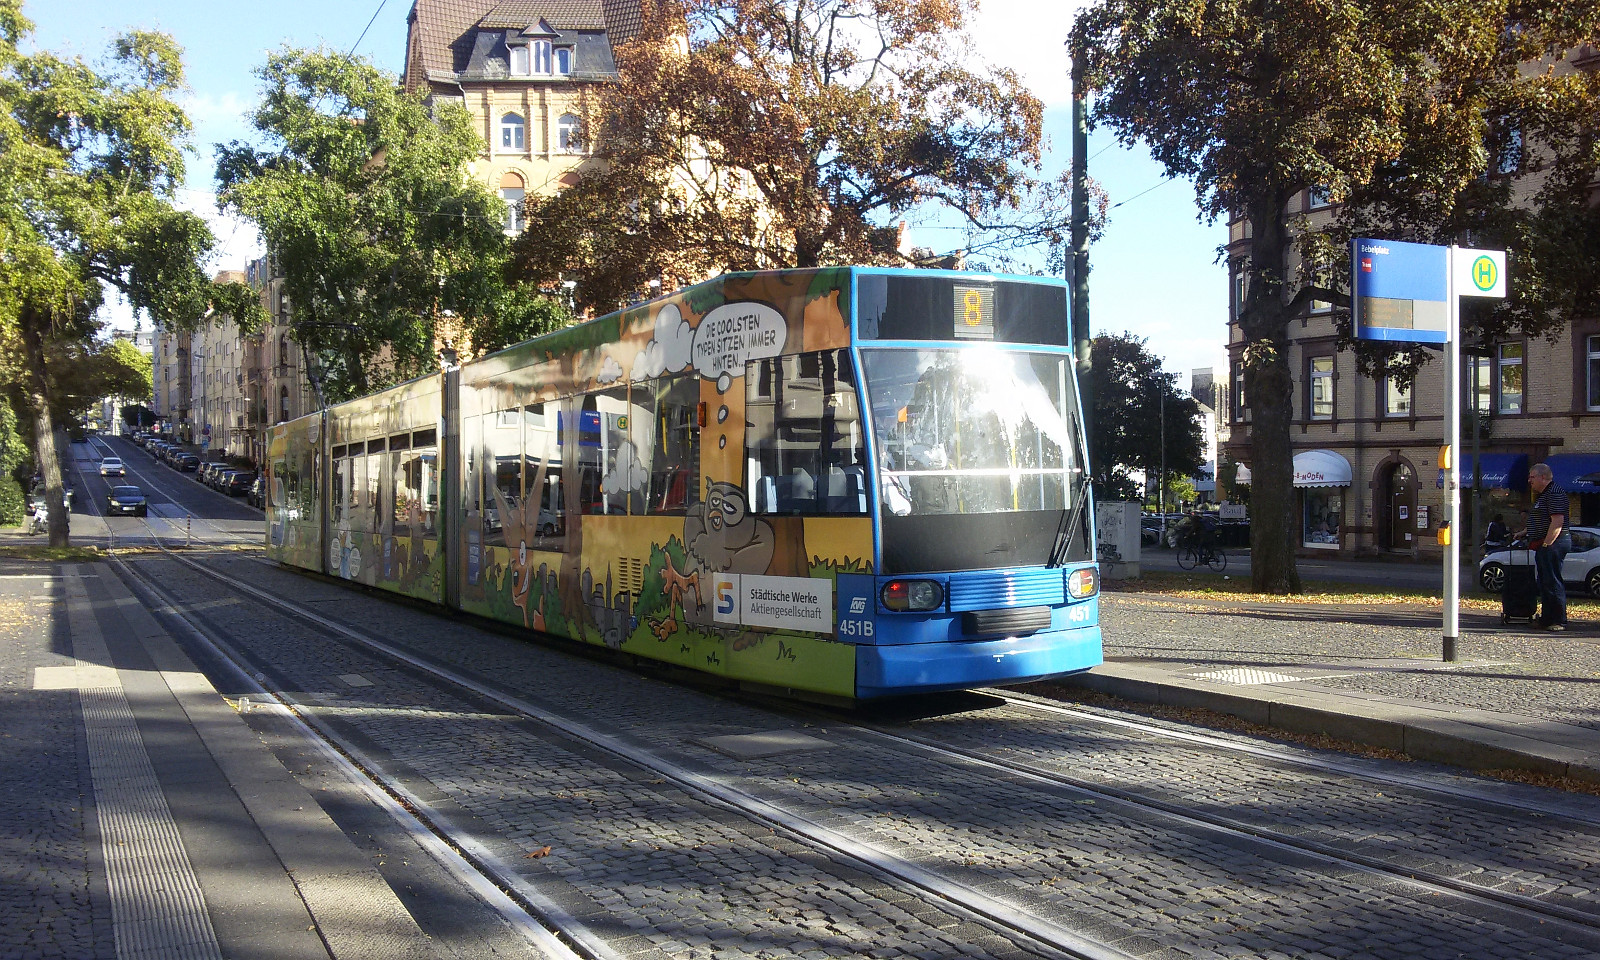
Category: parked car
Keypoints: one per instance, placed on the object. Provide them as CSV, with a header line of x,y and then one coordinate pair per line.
x,y
112,467
1582,566
239,482
187,462
127,499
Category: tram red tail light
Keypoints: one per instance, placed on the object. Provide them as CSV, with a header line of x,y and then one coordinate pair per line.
x,y
1083,583
912,595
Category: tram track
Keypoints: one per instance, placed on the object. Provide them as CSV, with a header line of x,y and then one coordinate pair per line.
x,y
1034,935
1424,880
994,913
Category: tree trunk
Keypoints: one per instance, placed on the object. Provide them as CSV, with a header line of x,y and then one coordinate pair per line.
x,y
37,390
1269,389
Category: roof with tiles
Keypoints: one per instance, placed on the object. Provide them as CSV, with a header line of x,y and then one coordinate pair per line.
x,y
443,31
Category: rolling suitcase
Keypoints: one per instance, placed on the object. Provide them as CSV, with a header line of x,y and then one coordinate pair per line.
x,y
1519,597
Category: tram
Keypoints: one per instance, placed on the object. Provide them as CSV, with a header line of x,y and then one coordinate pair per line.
x,y
847,482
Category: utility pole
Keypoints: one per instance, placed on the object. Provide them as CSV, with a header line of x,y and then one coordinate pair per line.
x,y
1078,263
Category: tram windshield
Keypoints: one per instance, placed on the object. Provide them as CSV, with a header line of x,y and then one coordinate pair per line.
x,y
978,454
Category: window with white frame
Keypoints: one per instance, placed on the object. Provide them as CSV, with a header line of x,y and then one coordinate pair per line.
x,y
1481,370
1509,378
1321,376
567,133
1241,288
563,61
519,61
1396,396
539,51
1241,410
1592,344
512,197
513,132
1317,197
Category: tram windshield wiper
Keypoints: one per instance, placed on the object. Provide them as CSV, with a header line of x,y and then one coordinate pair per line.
x,y
1067,531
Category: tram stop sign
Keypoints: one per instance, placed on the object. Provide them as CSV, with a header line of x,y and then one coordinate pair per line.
x,y
1401,291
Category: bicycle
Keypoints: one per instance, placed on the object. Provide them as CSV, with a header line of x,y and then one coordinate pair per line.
x,y
1197,554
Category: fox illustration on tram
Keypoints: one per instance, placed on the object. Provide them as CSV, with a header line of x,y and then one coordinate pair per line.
x,y
847,482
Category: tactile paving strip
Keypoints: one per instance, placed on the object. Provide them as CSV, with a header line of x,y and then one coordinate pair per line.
x,y
1245,676
157,908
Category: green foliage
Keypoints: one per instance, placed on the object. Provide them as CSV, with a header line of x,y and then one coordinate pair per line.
x,y
792,133
16,464
362,192
1131,393
90,158
138,416
1402,112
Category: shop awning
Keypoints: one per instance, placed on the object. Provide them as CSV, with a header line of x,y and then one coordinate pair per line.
x,y
1573,471
1321,468
1501,471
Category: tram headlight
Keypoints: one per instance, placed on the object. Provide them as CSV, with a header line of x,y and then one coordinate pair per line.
x,y
912,595
1083,583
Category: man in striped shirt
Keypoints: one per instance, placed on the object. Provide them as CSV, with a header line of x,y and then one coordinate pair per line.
x,y
1547,531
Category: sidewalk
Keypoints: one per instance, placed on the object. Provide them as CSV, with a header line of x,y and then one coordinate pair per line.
x,y
1372,675
140,815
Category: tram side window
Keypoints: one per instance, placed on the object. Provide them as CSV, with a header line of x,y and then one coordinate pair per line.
x,y
673,457
358,488
405,492
501,472
275,495
805,448
541,449
625,429
339,498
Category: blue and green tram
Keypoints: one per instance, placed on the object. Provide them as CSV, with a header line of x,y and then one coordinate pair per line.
x,y
846,482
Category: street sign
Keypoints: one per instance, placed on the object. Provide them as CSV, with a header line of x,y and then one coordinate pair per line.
x,y
1400,291
1479,273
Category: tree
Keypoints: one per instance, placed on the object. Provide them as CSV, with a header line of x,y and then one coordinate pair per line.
x,y
1132,395
363,196
89,161
760,134
1385,107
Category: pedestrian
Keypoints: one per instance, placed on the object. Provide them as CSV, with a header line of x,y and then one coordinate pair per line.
x,y
1497,534
1548,534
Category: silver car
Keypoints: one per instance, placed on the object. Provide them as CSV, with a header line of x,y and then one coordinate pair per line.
x,y
1582,566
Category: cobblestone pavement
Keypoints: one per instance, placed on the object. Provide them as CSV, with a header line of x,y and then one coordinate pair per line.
x,y
694,881
48,867
1553,676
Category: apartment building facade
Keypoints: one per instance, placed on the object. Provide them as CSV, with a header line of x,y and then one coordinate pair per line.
x,y
1366,448
522,69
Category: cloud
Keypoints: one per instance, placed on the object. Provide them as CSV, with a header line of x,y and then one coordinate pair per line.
x,y
610,371
668,350
1029,36
627,473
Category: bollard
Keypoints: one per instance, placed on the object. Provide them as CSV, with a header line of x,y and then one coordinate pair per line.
x,y
188,531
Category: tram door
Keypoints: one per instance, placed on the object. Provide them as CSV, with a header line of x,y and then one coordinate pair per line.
x,y
1398,528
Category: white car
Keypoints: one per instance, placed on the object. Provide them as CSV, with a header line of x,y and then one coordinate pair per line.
x,y
1582,565
112,467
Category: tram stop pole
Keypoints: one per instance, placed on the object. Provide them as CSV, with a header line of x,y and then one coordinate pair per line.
x,y
1450,535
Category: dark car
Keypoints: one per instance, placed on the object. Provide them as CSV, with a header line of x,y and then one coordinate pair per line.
x,y
187,462
127,499
239,482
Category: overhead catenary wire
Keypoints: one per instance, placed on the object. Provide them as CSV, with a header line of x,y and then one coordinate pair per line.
x,y
364,30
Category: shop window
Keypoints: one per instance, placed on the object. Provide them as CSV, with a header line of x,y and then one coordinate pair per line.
x,y
1321,522
1509,378
1321,380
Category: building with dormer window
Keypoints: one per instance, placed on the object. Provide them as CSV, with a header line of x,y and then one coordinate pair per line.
x,y
521,68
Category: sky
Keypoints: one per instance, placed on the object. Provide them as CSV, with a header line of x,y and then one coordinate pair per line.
x,y
1154,272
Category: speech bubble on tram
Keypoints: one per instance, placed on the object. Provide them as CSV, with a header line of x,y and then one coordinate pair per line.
x,y
734,334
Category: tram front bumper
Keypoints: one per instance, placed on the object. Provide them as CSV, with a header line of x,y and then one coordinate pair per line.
x,y
892,669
